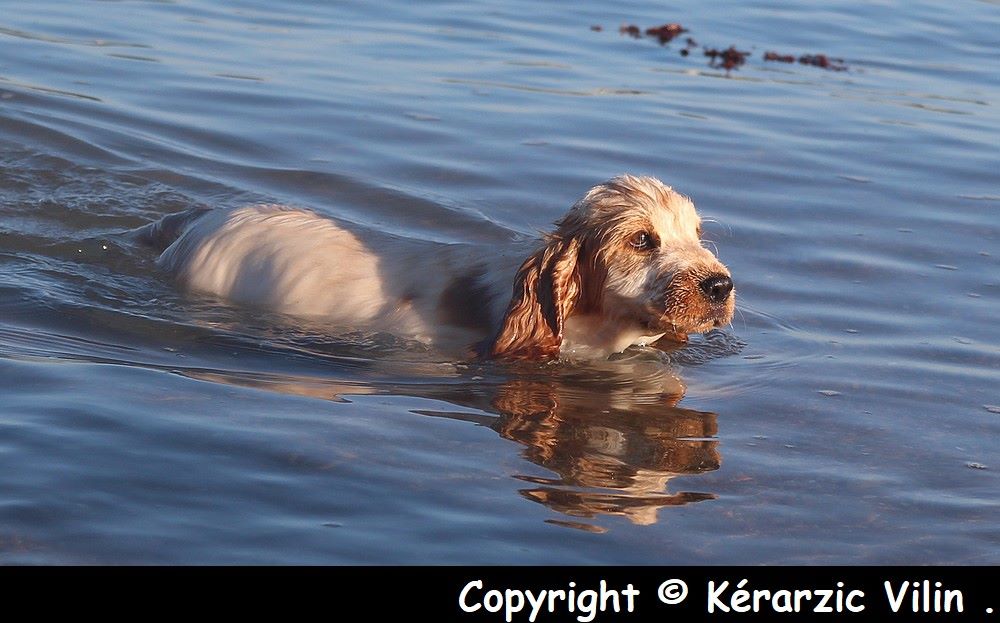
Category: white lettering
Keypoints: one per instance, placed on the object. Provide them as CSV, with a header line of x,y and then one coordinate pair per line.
x,y
495,596
509,601
739,597
713,596
536,604
757,596
465,591
606,594
553,595
587,603
743,599
782,601
798,599
630,595
850,601
821,606
949,596
895,600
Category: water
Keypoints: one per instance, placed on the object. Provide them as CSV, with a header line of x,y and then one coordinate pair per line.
x,y
849,415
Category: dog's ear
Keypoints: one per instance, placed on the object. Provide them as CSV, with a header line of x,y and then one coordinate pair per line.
x,y
546,289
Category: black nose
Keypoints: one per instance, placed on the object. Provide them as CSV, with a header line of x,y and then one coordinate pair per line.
x,y
717,288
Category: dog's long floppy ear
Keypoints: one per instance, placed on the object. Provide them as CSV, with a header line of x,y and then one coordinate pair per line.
x,y
546,289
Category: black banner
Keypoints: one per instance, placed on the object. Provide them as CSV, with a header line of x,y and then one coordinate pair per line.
x,y
524,594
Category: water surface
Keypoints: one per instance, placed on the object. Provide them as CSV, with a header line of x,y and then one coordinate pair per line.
x,y
849,415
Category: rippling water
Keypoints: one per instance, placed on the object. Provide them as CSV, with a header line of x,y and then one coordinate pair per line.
x,y
850,414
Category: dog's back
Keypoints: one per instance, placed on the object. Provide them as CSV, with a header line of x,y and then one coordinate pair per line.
x,y
282,259
303,264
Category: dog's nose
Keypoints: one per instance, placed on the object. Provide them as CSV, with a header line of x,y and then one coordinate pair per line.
x,y
717,288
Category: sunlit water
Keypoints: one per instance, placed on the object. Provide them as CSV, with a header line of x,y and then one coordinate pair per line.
x,y
850,414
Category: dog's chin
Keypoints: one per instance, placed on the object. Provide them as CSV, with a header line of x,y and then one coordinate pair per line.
x,y
685,326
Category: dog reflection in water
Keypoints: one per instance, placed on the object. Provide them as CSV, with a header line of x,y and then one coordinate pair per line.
x,y
627,440
611,432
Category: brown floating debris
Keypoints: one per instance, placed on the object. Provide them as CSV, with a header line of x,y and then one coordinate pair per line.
x,y
816,60
822,60
666,32
730,58
689,44
727,59
631,30
781,58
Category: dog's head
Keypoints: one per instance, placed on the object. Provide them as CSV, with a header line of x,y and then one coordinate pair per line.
x,y
629,251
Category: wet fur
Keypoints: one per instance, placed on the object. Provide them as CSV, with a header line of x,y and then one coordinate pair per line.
x,y
584,288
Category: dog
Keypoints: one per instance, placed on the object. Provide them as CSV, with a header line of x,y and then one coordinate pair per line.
x,y
625,266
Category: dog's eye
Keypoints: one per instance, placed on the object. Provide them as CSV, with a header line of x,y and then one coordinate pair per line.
x,y
641,241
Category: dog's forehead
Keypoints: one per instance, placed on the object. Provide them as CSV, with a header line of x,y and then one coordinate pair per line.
x,y
637,202
647,202
673,215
